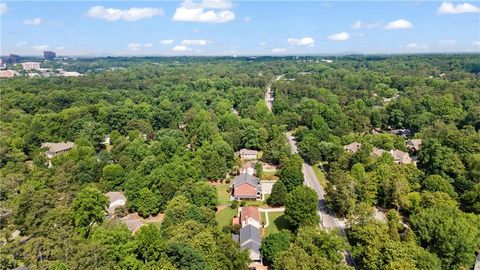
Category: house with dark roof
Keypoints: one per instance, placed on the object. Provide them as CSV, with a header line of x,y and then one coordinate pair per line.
x,y
250,240
246,187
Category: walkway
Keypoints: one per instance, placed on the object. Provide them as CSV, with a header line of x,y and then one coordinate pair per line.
x,y
270,210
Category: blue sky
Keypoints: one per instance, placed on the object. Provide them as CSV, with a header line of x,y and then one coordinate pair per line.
x,y
222,27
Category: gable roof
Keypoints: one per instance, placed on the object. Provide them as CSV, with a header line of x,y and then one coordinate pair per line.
x,y
245,151
400,156
353,147
57,147
246,178
250,212
250,233
416,144
252,246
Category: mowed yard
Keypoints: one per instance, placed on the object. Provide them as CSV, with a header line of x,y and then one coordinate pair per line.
x,y
224,216
276,222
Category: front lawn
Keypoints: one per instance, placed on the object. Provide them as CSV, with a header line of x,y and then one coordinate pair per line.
x,y
224,216
277,222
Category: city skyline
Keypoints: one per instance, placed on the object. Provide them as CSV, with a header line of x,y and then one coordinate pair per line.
x,y
221,27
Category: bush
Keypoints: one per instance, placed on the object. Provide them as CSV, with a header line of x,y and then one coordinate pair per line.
x,y
234,204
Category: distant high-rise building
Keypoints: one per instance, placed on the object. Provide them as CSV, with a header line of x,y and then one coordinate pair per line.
x,y
49,55
12,59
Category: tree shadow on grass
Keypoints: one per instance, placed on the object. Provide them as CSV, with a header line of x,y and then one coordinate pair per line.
x,y
281,223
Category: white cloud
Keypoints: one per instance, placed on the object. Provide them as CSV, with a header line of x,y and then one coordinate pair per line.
x,y
22,43
35,21
3,8
132,14
339,36
134,46
417,46
194,42
60,48
279,50
476,43
449,8
207,11
365,25
447,42
148,45
399,24
263,43
166,41
40,47
181,48
306,41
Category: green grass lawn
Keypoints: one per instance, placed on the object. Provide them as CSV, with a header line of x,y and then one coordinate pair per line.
x,y
320,176
223,195
270,175
224,217
255,203
277,222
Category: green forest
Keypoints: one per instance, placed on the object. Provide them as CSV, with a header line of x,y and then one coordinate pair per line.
x,y
175,125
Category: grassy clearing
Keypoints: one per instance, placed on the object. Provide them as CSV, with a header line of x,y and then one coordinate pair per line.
x,y
277,222
269,175
320,176
223,195
255,203
224,216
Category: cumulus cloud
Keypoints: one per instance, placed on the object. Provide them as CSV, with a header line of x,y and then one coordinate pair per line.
x,y
306,41
399,24
148,45
417,46
449,8
35,21
3,8
40,47
279,50
365,25
207,11
132,14
339,36
134,46
181,48
194,42
22,43
166,41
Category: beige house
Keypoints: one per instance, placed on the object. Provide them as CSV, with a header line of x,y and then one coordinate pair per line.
x,y
54,149
248,154
401,157
414,144
353,147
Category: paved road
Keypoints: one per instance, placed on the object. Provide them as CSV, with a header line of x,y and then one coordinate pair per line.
x,y
269,94
328,219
